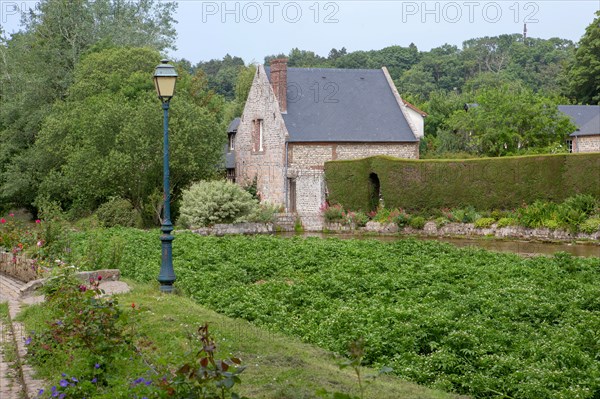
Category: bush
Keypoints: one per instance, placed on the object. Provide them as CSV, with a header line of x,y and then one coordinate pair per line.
x,y
570,217
534,215
584,203
118,212
591,225
264,213
402,219
359,218
417,222
208,202
435,184
333,213
484,223
505,222
551,224
441,221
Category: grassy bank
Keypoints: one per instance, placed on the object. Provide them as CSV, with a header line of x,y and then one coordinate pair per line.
x,y
462,320
278,366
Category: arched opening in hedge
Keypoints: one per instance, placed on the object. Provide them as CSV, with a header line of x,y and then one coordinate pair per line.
x,y
374,191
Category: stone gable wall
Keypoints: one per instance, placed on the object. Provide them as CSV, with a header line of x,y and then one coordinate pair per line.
x,y
267,165
586,143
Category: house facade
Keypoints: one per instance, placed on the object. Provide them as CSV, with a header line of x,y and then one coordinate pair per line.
x,y
296,119
587,119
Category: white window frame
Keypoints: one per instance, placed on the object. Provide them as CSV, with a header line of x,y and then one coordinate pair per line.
x,y
260,135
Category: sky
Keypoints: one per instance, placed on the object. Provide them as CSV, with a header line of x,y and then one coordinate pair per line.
x,y
254,29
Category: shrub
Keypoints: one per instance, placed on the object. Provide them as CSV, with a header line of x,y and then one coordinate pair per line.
x,y
505,222
208,202
359,218
484,223
498,214
417,222
264,213
441,221
583,203
333,213
402,219
118,212
551,224
570,217
591,225
534,215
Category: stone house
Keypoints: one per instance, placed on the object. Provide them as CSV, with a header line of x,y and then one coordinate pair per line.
x,y
587,119
296,119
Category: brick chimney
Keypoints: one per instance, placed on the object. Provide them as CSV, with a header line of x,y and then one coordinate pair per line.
x,y
279,81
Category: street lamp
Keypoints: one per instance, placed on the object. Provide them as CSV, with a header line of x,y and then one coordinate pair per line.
x,y
165,77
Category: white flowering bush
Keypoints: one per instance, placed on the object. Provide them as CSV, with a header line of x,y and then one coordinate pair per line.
x,y
209,202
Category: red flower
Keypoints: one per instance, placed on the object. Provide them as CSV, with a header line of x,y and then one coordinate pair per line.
x,y
133,305
2,220
99,278
38,221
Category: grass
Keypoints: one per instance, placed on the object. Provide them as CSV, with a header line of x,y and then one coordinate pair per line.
x,y
278,366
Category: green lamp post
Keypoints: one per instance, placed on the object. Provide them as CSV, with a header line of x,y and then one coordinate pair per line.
x,y
165,77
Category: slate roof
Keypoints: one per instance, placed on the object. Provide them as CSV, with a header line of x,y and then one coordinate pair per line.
x,y
230,155
586,117
343,105
233,126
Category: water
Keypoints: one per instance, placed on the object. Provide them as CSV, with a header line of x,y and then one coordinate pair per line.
x,y
526,248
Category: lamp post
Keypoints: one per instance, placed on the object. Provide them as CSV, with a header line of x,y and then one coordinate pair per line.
x,y
165,77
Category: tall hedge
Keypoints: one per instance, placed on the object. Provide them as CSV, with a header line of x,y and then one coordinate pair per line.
x,y
485,183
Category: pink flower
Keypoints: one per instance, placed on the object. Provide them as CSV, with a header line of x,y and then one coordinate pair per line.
x,y
12,215
38,221
2,220
40,243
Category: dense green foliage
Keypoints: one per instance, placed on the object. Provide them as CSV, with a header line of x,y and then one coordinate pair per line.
x,y
486,183
219,201
584,74
466,320
38,64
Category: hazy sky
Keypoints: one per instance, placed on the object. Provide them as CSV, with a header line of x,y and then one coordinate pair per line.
x,y
253,29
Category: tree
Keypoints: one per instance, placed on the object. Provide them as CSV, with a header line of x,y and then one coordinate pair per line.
x,y
584,75
40,60
105,139
510,119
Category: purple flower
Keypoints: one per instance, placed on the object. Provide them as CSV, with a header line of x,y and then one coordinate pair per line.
x,y
63,374
94,380
62,396
148,382
97,365
54,388
28,341
40,392
74,379
63,383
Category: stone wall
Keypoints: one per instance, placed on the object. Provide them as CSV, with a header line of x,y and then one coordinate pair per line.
x,y
469,230
19,267
306,164
268,165
586,143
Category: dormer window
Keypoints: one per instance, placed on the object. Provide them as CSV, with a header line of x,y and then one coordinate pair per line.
x,y
231,145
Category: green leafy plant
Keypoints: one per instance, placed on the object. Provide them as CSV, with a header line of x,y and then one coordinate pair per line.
x,y
591,225
417,222
209,202
333,213
118,212
484,223
206,377
505,222
359,218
